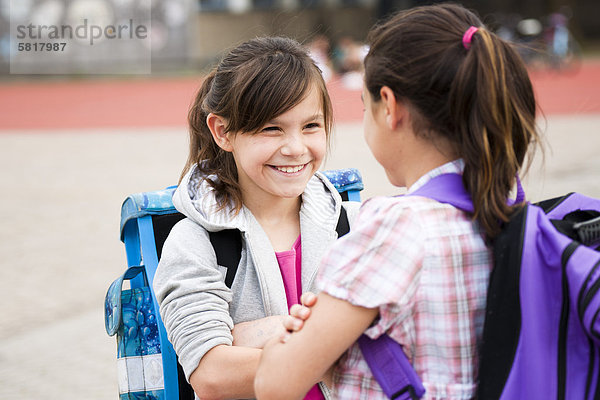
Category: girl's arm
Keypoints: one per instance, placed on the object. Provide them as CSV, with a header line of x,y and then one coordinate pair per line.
x,y
228,371
258,332
288,370
194,305
241,361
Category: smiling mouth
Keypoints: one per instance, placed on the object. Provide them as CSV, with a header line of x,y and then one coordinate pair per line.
x,y
290,169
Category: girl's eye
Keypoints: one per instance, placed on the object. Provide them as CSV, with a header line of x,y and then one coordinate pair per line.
x,y
271,129
312,125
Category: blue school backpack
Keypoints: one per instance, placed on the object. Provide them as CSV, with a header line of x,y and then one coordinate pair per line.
x,y
541,333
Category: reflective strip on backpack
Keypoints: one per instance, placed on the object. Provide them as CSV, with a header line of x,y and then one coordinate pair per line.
x,y
140,373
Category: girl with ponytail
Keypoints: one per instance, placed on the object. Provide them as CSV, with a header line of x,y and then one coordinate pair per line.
x,y
259,129
442,94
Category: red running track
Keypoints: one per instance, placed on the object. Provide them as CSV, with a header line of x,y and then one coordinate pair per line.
x,y
138,103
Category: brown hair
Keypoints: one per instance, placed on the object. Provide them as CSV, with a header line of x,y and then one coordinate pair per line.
x,y
253,84
480,99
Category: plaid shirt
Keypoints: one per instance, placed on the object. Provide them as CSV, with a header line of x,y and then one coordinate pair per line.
x,y
426,267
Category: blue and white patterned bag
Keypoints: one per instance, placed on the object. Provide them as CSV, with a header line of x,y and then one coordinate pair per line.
x,y
130,314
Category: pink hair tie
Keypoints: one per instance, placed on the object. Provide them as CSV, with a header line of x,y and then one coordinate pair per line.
x,y
468,36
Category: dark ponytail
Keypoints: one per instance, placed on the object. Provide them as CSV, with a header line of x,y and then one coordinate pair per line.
x,y
499,112
480,99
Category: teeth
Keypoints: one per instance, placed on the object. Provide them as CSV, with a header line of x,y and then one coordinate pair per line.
x,y
290,170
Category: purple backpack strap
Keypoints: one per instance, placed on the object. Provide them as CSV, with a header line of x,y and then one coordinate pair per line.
x,y
446,188
449,188
391,368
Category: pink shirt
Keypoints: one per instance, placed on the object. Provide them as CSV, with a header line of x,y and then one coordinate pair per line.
x,y
290,264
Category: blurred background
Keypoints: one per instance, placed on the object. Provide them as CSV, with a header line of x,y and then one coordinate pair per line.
x,y
189,34
74,144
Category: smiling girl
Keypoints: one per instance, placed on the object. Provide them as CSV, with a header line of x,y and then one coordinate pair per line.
x,y
259,130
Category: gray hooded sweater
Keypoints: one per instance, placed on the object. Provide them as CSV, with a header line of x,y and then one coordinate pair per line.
x,y
197,308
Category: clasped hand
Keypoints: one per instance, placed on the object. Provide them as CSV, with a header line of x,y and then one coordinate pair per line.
x,y
299,313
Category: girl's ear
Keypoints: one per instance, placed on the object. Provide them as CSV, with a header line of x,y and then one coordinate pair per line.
x,y
389,104
395,110
217,124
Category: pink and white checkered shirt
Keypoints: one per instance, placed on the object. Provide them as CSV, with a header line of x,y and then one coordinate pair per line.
x,y
425,265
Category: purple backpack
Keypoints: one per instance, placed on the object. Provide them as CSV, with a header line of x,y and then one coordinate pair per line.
x,y
542,326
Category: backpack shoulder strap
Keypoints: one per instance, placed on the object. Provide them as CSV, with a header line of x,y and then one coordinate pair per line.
x,y
447,188
391,368
228,248
228,245
502,323
343,226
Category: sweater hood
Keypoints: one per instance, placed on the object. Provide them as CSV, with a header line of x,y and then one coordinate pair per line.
x,y
196,199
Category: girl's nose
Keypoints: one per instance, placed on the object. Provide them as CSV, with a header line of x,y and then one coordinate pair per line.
x,y
294,145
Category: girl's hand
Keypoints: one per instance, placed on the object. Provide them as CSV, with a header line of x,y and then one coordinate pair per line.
x,y
333,326
299,313
257,333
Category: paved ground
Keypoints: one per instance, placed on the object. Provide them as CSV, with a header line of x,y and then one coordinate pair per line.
x,y
61,196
